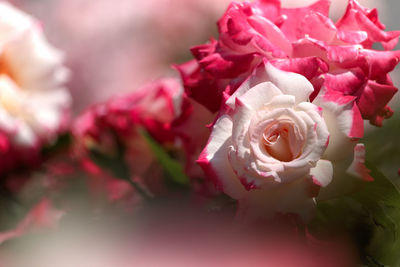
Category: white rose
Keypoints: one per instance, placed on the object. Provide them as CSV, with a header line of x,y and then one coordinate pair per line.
x,y
269,149
33,100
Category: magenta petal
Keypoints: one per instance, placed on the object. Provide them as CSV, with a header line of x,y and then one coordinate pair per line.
x,y
379,63
229,67
359,18
199,86
317,26
296,15
309,67
348,82
352,37
372,102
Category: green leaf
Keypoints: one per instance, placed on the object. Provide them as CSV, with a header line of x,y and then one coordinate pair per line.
x,y
172,167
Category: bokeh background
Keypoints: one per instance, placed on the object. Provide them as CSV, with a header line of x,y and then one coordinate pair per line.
x,y
115,46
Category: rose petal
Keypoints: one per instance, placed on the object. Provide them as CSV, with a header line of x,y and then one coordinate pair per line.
x,y
322,173
214,159
344,122
357,167
289,83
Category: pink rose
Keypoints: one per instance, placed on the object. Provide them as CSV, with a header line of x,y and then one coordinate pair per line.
x,y
272,150
252,31
105,127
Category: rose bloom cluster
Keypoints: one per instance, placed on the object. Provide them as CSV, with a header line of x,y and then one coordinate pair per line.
x,y
292,90
338,56
114,130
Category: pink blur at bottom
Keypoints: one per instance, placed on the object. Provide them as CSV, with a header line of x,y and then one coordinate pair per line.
x,y
175,237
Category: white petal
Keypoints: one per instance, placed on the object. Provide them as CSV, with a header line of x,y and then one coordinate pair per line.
x,y
289,83
214,159
255,98
322,173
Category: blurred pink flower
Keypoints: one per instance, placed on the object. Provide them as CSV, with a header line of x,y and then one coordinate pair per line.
x,y
109,127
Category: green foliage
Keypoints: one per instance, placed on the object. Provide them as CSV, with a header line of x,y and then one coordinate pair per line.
x,y
370,217
383,147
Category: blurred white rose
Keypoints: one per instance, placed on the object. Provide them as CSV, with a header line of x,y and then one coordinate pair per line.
x,y
33,100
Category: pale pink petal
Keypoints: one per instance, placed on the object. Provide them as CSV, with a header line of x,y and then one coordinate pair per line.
x,y
255,98
289,83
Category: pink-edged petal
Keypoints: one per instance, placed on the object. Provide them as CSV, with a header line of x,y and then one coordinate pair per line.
x,y
343,120
241,119
322,173
357,167
348,82
214,159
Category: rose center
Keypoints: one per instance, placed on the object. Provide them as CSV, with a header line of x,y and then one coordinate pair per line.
x,y
282,142
6,69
